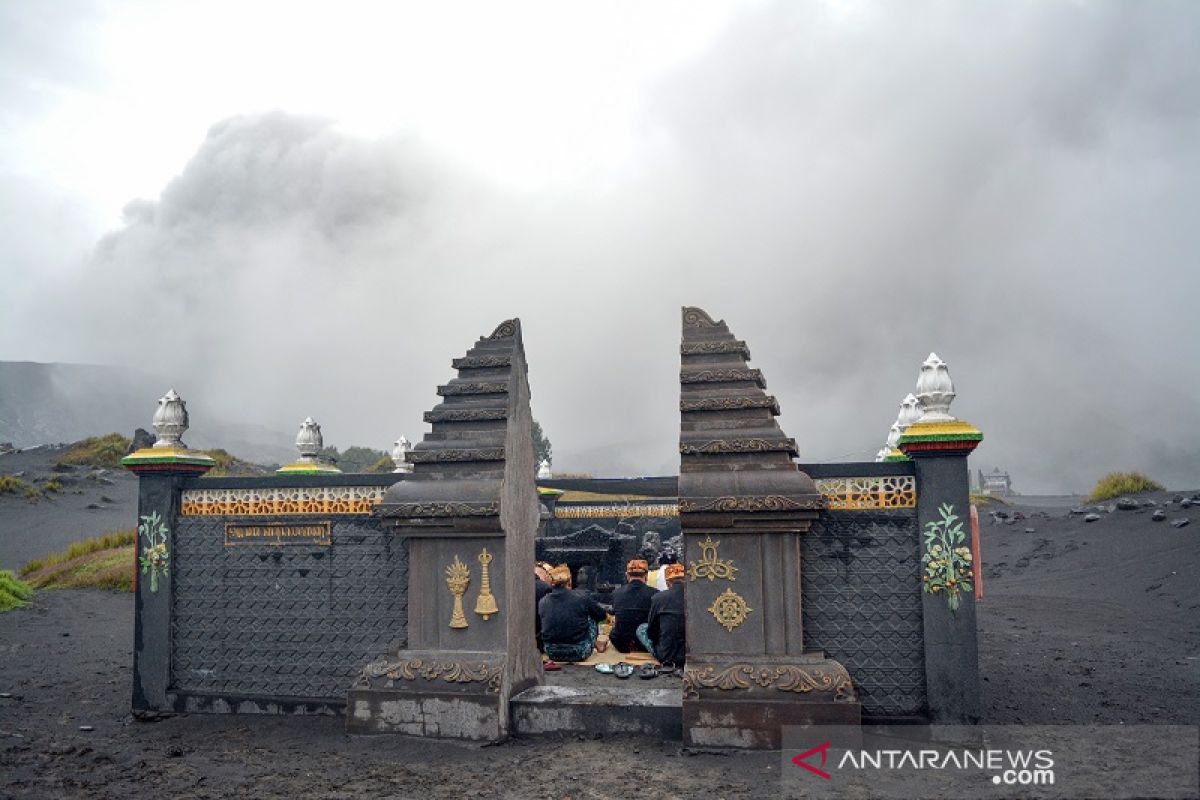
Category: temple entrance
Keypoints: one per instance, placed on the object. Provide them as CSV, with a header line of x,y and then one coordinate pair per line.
x,y
596,526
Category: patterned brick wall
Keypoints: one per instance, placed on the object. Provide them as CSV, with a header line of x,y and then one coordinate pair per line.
x,y
286,621
861,600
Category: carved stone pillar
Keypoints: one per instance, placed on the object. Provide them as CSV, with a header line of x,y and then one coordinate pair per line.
x,y
744,504
469,512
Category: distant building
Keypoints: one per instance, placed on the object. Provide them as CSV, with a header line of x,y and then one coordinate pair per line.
x,y
995,483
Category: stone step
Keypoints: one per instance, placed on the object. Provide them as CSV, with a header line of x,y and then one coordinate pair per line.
x,y
605,709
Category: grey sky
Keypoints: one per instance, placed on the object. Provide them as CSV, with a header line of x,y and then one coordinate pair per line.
x,y
848,185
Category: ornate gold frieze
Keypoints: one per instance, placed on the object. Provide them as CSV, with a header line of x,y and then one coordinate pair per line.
x,y
449,671
603,512
755,445
730,609
282,501
863,494
458,575
771,502
485,605
709,566
829,677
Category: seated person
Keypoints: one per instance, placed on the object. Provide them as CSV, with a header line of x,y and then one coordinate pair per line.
x,y
570,619
631,607
541,588
663,634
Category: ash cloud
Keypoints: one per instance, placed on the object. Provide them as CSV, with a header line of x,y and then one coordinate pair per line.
x,y
1010,185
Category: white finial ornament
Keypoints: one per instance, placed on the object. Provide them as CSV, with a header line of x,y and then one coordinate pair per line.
x,y
170,422
400,450
935,390
910,411
544,469
882,454
309,440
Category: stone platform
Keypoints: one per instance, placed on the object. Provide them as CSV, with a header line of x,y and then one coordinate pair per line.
x,y
581,700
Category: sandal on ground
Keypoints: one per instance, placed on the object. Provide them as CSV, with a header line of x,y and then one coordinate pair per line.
x,y
604,669
623,670
647,671
551,666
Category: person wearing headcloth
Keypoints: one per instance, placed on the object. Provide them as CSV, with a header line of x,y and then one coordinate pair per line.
x,y
665,559
631,607
570,619
663,634
541,588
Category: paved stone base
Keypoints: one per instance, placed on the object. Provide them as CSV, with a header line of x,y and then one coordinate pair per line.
x,y
616,709
755,724
446,716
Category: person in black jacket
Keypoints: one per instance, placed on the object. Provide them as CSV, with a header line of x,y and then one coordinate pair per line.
x,y
570,619
540,590
631,607
663,633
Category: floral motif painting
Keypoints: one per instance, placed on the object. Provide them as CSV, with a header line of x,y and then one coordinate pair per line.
x,y
947,559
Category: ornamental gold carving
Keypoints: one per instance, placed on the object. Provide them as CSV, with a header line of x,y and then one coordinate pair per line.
x,y
729,610
711,567
783,678
458,575
282,501
485,605
864,494
449,671
737,446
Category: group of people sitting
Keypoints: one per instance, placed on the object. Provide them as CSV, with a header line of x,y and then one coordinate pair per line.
x,y
645,619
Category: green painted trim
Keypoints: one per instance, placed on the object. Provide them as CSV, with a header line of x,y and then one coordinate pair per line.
x,y
198,460
893,459
941,437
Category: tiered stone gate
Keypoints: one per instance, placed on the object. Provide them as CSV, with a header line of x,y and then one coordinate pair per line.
x,y
808,595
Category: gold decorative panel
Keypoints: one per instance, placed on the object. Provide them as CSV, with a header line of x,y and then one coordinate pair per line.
x,y
280,501
607,511
861,494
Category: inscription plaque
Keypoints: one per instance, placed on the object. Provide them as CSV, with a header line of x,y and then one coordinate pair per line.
x,y
277,533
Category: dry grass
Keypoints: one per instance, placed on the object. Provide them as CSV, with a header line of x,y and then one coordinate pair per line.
x,y
102,569
96,451
13,485
85,547
1118,484
14,592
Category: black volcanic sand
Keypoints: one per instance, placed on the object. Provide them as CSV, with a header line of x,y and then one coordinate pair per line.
x,y
1081,623
93,502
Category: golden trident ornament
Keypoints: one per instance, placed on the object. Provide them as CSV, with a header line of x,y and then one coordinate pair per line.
x,y
458,575
709,566
485,606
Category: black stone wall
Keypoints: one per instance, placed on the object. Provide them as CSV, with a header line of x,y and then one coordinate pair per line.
x,y
284,621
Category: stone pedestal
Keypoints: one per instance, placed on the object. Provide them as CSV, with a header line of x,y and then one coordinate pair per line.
x,y
469,510
744,504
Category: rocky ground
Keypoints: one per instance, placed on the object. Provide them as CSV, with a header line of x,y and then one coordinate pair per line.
x,y
1081,622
